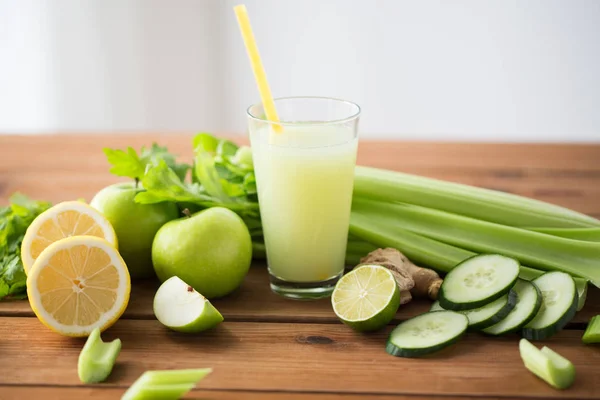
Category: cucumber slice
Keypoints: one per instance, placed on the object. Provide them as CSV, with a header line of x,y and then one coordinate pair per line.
x,y
489,314
528,304
426,333
478,281
548,365
559,305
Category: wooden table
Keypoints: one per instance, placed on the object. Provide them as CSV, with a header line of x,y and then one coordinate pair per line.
x,y
271,348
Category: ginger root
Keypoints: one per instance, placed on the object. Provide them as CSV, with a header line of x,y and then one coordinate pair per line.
x,y
412,280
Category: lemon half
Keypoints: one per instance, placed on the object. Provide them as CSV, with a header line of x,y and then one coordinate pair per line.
x,y
78,284
66,219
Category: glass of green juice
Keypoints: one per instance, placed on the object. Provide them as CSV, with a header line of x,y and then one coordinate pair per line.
x,y
304,166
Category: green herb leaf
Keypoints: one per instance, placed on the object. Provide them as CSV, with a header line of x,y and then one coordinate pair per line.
x,y
14,221
163,184
129,164
156,153
206,142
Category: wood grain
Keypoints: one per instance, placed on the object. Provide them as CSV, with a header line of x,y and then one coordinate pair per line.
x,y
62,167
272,348
98,392
296,358
254,301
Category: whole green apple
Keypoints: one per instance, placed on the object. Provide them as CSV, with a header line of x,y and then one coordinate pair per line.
x,y
210,250
135,224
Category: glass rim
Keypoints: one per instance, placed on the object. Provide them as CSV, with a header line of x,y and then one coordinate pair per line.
x,y
309,123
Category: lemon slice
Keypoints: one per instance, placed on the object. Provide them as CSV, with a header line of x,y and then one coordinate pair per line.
x,y
78,284
70,218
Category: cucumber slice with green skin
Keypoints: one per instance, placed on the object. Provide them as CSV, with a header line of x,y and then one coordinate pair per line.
x,y
548,365
559,305
478,281
529,301
488,315
426,333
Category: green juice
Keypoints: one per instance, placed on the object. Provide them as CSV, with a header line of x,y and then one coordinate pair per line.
x,y
305,176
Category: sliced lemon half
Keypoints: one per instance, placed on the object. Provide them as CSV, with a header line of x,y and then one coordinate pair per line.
x,y
66,219
78,284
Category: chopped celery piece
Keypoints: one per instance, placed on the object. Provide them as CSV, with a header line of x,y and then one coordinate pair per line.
x,y
532,248
97,358
592,333
479,203
165,385
548,365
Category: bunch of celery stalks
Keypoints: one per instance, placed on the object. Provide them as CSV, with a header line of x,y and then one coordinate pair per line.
x,y
439,224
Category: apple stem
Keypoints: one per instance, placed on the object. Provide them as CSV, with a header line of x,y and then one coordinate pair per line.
x,y
187,213
137,182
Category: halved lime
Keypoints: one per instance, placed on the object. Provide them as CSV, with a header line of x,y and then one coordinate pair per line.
x,y
366,298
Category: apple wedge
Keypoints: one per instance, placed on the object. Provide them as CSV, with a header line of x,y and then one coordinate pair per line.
x,y
179,307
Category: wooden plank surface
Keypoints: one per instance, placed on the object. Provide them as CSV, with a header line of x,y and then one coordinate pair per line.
x,y
78,393
272,348
296,358
60,167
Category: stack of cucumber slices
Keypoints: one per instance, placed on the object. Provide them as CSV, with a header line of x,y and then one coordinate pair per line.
x,y
484,293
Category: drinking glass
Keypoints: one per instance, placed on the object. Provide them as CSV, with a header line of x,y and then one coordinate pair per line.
x,y
304,166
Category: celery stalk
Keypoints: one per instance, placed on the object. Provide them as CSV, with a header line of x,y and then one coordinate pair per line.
x,y
585,234
417,248
479,203
165,385
535,249
582,290
97,358
592,333
357,249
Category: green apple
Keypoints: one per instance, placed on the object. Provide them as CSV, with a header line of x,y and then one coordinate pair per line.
x,y
181,308
135,224
211,250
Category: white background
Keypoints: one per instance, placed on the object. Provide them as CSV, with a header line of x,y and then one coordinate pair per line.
x,y
488,70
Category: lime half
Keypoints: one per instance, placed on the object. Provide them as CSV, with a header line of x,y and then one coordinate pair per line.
x,y
366,298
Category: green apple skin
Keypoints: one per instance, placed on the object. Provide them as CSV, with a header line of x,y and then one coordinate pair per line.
x,y
210,318
135,224
173,295
211,251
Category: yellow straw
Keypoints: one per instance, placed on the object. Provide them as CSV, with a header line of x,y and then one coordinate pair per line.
x,y
257,66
